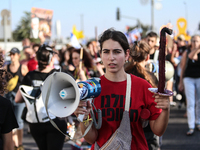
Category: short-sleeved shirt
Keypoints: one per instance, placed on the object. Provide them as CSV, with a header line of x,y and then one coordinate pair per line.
x,y
111,102
7,118
32,64
36,78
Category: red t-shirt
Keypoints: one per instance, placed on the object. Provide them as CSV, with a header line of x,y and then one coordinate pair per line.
x,y
111,101
32,64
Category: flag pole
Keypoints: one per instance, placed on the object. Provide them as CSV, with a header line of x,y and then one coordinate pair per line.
x,y
96,38
81,58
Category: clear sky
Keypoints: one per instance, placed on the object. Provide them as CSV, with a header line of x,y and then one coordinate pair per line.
x,y
102,13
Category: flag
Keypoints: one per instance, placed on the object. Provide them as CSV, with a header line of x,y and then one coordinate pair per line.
x,y
74,41
78,34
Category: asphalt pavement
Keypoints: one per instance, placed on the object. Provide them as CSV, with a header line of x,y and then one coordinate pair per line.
x,y
174,138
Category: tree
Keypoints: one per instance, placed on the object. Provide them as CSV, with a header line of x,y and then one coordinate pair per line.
x,y
23,29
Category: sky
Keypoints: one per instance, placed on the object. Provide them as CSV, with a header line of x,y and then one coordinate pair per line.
x,y
88,14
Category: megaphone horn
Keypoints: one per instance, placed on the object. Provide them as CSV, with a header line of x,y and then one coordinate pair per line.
x,y
65,93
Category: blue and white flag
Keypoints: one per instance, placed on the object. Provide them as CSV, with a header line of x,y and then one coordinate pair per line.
x,y
74,41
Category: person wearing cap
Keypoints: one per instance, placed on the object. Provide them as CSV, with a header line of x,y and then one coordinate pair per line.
x,y
45,135
18,72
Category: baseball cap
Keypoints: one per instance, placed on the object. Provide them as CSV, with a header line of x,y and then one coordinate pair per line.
x,y
14,50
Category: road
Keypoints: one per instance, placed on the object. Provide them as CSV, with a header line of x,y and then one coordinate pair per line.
x,y
173,139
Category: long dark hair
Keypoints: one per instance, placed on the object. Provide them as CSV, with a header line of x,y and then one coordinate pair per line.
x,y
4,76
139,53
87,59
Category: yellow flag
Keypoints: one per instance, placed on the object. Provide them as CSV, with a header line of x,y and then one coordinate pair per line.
x,y
78,34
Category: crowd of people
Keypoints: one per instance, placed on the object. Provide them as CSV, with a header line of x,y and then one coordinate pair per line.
x,y
112,59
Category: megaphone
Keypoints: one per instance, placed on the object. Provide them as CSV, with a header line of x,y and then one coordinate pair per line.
x,y
153,66
65,94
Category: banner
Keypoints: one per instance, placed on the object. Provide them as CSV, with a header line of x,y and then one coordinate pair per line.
x,y
41,23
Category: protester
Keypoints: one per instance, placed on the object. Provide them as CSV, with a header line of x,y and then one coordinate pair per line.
x,y
7,118
66,64
175,59
36,47
87,67
140,55
181,44
45,135
18,72
114,53
93,49
190,82
151,39
30,58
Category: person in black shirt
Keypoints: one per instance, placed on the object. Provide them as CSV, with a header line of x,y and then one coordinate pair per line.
x,y
18,72
45,135
8,121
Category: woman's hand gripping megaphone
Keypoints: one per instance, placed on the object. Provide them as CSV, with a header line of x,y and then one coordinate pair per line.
x,y
83,109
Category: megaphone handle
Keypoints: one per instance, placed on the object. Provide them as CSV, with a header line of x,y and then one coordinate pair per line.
x,y
81,116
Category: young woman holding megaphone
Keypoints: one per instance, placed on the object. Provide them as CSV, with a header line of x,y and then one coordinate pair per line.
x,y
121,127
45,135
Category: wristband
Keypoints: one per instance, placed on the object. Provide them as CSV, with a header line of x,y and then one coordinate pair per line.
x,y
86,121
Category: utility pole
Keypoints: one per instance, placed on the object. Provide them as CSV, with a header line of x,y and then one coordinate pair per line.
x,y
82,27
11,38
186,16
152,15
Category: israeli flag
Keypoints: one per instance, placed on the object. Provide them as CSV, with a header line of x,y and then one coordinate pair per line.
x,y
74,41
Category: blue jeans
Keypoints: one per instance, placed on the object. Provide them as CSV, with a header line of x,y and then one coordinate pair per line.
x,y
192,92
17,108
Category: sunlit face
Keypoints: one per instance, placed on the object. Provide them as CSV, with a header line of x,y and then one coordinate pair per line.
x,y
113,56
28,52
151,41
75,59
36,48
195,42
14,57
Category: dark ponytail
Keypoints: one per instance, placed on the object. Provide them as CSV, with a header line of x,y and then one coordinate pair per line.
x,y
139,53
44,55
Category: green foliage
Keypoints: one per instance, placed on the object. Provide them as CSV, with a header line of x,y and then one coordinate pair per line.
x,y
23,29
